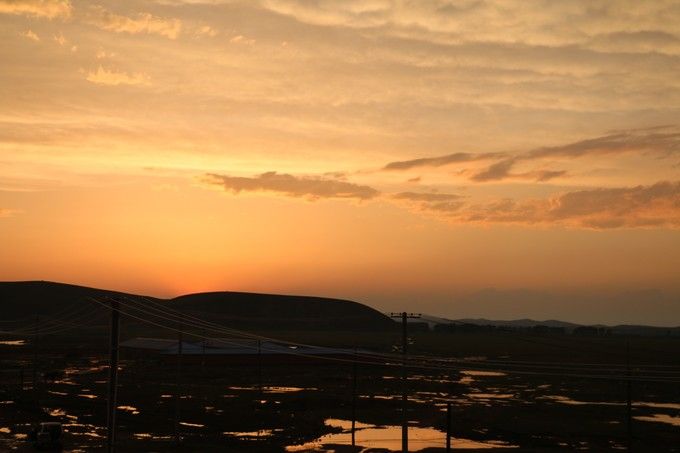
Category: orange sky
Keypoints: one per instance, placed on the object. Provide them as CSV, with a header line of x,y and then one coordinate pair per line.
x,y
483,158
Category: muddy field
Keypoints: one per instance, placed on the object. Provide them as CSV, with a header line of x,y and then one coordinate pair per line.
x,y
309,407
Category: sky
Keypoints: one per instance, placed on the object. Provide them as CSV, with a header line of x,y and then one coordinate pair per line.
x,y
474,158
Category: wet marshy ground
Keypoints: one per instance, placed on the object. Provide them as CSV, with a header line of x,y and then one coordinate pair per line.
x,y
309,407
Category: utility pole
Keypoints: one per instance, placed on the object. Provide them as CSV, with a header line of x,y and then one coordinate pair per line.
x,y
259,371
629,402
404,375
203,353
36,333
113,377
448,427
354,395
178,397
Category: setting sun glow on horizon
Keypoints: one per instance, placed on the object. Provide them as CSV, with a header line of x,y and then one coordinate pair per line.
x,y
463,159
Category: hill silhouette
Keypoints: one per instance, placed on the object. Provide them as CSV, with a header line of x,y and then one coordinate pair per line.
x,y
247,310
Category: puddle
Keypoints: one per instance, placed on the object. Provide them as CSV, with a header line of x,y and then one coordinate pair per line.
x,y
192,425
252,434
88,434
285,389
490,395
149,436
87,395
482,373
389,437
657,405
57,393
566,400
131,409
347,424
659,418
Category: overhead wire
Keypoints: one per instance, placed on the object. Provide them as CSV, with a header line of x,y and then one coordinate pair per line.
x,y
180,317
412,365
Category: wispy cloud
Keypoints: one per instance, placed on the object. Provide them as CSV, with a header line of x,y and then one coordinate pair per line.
x,y
140,23
657,205
60,39
501,170
31,35
651,140
294,186
49,9
432,202
660,141
440,161
205,30
103,76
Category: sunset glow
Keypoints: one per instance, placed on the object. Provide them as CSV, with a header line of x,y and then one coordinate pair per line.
x,y
473,159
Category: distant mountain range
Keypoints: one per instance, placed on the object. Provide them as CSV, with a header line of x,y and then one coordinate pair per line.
x,y
568,327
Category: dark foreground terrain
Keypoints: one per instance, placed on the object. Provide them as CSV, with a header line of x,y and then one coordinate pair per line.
x,y
500,397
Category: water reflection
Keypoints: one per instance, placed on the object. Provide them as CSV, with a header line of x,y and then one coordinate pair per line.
x,y
192,425
389,437
482,373
248,435
566,400
13,342
131,409
659,418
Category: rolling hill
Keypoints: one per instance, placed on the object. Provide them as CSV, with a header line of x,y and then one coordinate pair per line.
x,y
244,310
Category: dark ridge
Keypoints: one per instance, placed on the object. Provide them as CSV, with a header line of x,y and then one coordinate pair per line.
x,y
25,300
282,311
31,298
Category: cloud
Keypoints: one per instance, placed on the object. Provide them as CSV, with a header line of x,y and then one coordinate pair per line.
x,y
141,23
111,77
657,205
425,196
206,30
240,39
652,140
660,141
60,39
49,9
440,161
294,186
499,170
432,202
31,35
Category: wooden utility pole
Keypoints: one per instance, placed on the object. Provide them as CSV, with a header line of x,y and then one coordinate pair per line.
x,y
36,333
113,377
259,370
178,397
203,353
448,427
629,399
404,375
354,395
